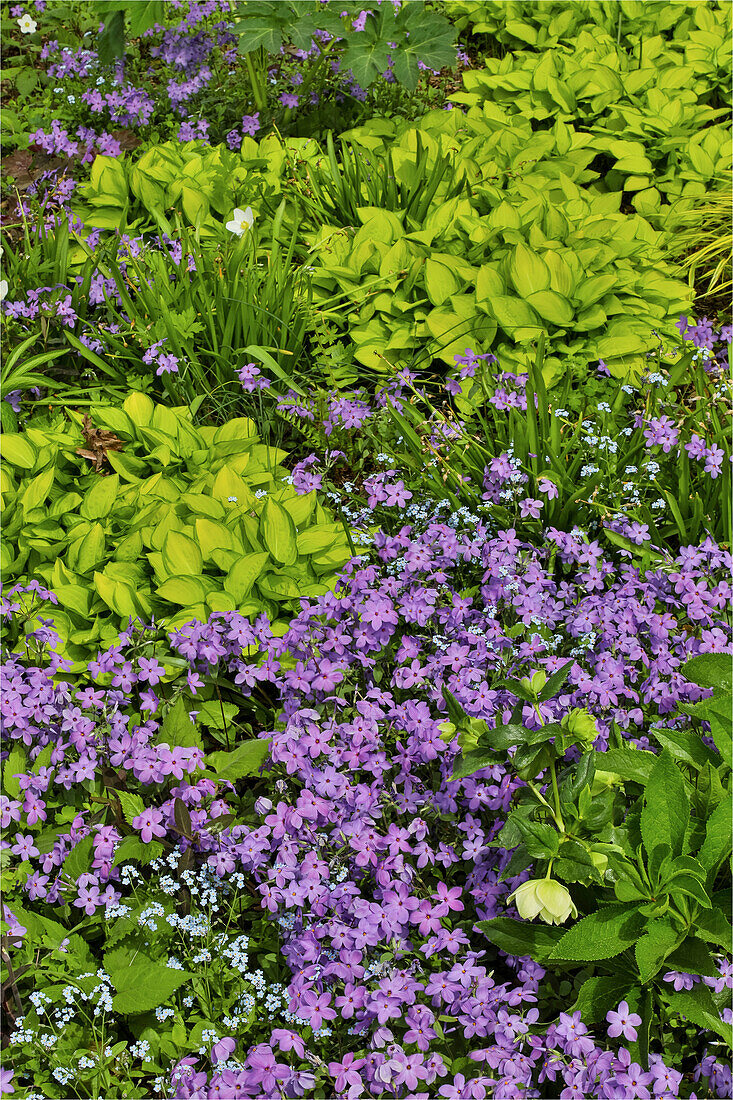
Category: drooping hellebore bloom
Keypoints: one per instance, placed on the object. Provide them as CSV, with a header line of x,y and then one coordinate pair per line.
x,y
581,724
544,898
242,220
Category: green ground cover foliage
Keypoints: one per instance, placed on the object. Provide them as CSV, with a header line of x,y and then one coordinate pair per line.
x,y
366,508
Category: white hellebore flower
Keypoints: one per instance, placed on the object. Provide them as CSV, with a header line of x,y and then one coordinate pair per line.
x,y
3,289
241,221
27,25
543,898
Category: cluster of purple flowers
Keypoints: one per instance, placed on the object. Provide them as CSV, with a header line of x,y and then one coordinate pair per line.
x,y
125,105
386,488
702,333
252,379
46,302
373,859
304,477
164,363
81,63
349,411
250,126
88,143
468,364
663,431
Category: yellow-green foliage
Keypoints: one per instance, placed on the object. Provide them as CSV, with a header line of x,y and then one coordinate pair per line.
x,y
190,521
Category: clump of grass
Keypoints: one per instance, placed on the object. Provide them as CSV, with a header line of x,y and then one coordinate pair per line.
x,y
701,237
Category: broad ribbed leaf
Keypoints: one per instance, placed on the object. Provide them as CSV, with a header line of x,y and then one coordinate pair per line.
x,y
666,807
528,271
181,555
601,935
518,937
652,949
278,533
141,984
243,574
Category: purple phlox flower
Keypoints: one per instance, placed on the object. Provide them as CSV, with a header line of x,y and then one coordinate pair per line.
x,y
623,1022
347,1076
530,508
661,432
548,487
680,981
222,1049
148,824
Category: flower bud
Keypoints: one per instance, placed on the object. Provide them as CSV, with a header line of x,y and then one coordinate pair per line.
x,y
544,898
602,781
536,684
581,725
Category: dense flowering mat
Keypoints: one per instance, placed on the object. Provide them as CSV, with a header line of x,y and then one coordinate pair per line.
x,y
373,862
366,499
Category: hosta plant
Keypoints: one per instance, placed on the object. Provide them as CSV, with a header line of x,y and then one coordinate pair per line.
x,y
513,243
201,183
188,521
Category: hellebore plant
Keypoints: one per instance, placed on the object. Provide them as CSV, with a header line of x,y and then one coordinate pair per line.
x,y
544,898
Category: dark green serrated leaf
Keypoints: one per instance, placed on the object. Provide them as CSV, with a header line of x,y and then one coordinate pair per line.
x,y
717,844
144,14
687,746
601,935
177,729
133,849
111,42
141,983
693,957
555,681
541,840
713,926
698,1007
666,807
631,764
660,938
598,995
521,937
574,863
258,33
246,759
710,670
468,763
79,859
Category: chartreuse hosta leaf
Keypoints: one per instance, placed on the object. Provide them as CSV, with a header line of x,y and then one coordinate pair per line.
x,y
215,528
547,250
278,532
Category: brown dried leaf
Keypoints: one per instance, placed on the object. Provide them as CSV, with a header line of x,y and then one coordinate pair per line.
x,y
98,442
